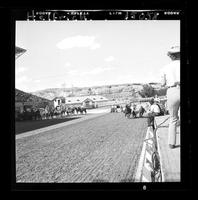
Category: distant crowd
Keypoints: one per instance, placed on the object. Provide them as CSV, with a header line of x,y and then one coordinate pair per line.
x,y
139,109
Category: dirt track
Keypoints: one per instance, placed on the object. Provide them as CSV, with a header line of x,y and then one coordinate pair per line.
x,y
103,149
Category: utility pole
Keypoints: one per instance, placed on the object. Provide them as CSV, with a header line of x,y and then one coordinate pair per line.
x,y
72,90
64,88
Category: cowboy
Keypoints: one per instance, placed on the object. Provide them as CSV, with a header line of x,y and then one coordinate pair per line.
x,y
171,79
154,108
152,112
157,99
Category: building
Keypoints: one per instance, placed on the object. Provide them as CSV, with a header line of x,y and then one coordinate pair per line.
x,y
19,51
92,101
58,101
80,101
26,101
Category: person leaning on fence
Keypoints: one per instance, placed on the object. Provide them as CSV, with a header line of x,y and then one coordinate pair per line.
x,y
171,79
152,112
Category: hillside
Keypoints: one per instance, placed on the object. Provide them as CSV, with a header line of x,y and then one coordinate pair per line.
x,y
21,96
119,91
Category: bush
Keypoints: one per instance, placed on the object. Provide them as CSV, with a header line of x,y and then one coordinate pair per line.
x,y
147,91
161,92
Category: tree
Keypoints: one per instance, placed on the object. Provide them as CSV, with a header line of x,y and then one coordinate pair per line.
x,y
147,91
161,92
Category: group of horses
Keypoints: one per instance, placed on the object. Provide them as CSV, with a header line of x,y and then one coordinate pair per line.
x,y
138,110
41,114
133,111
116,108
129,111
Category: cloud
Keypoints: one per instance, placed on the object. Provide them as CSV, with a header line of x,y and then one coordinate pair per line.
x,y
73,72
95,46
22,79
95,71
98,70
109,59
37,81
20,70
78,41
67,64
150,77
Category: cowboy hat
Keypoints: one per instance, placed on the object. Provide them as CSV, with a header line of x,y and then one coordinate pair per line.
x,y
174,49
156,100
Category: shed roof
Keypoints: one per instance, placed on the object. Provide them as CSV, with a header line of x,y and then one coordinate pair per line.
x,y
19,51
58,98
81,99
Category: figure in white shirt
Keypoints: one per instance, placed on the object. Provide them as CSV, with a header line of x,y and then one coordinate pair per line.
x,y
153,111
155,108
171,79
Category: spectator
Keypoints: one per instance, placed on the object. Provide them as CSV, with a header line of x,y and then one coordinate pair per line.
x,y
157,99
171,79
152,112
154,108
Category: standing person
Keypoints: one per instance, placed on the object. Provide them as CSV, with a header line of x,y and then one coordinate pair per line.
x,y
171,79
157,99
152,112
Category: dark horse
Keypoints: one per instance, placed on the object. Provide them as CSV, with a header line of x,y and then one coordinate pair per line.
x,y
141,111
127,111
37,115
81,110
70,110
138,112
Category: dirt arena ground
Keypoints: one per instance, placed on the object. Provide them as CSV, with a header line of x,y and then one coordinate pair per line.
x,y
102,149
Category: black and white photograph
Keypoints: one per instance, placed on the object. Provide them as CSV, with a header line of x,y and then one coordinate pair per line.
x,y
98,101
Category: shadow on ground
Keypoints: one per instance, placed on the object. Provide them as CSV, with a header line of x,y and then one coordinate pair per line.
x,y
106,181
24,126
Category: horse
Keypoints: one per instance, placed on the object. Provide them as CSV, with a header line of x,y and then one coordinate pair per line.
x,y
138,111
36,115
113,108
141,111
118,108
123,109
81,110
57,113
43,113
63,112
20,116
127,111
70,110
49,113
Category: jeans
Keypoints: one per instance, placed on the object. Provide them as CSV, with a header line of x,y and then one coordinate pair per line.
x,y
173,101
150,119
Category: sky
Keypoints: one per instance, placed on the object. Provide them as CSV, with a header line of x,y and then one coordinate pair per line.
x,y
92,53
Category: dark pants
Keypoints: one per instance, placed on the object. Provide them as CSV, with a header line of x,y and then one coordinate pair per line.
x,y
150,119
